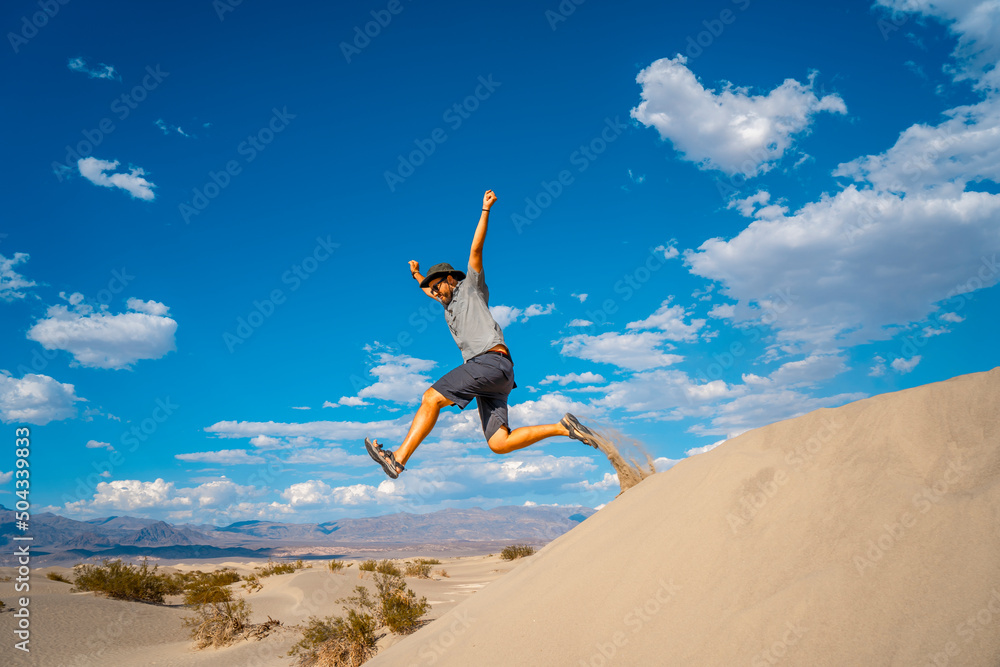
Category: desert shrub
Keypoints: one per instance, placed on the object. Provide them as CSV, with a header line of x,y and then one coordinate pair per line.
x,y
383,566
336,565
388,567
219,620
398,607
55,576
442,573
252,583
337,640
516,551
122,581
428,561
422,570
278,568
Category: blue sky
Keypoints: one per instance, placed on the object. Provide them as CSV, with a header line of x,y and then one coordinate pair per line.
x,y
711,217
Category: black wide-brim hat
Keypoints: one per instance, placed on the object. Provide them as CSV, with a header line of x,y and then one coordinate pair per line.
x,y
442,269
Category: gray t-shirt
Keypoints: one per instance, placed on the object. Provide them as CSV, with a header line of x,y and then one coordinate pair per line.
x,y
469,319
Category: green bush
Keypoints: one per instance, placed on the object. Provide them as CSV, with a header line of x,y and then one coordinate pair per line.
x,y
122,581
516,551
399,609
252,583
428,561
55,576
336,565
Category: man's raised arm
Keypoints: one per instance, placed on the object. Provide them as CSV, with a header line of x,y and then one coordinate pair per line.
x,y
476,254
419,277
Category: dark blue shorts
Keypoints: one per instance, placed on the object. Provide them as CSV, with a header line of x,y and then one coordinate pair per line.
x,y
489,378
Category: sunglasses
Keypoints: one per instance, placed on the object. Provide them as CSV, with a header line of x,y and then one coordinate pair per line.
x,y
435,290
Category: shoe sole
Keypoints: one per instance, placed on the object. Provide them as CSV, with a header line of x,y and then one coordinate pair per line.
x,y
583,434
379,460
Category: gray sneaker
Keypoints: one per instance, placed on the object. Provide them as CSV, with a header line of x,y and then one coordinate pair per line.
x,y
578,431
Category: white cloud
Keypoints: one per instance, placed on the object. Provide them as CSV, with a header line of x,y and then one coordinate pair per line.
x,y
831,275
581,297
951,317
133,182
732,130
315,493
95,444
580,323
694,451
223,456
169,128
99,339
35,399
563,380
102,71
670,320
505,315
12,283
669,251
904,366
976,25
6,476
635,352
401,379
135,495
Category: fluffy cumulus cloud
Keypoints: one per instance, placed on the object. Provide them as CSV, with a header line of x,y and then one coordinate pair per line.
x,y
132,182
670,320
133,495
12,283
901,244
634,351
831,273
316,493
35,399
730,130
401,379
100,339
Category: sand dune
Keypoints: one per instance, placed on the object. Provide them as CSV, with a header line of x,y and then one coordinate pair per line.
x,y
863,535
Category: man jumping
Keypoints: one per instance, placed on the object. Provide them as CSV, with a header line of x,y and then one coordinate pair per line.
x,y
488,372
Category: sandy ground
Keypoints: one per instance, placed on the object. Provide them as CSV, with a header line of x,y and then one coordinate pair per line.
x,y
70,629
863,535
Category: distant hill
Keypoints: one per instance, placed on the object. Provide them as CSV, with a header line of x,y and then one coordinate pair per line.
x,y
59,539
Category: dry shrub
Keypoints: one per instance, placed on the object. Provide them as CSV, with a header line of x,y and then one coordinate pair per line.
x,y
252,583
442,573
418,569
349,640
336,566
55,576
220,619
516,551
122,581
337,641
278,568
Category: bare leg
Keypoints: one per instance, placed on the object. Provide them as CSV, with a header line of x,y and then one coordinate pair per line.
x,y
505,442
423,423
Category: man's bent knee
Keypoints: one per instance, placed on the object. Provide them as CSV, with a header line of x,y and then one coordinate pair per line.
x,y
498,440
434,397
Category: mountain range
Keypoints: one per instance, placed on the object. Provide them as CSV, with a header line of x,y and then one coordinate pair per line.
x,y
60,540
